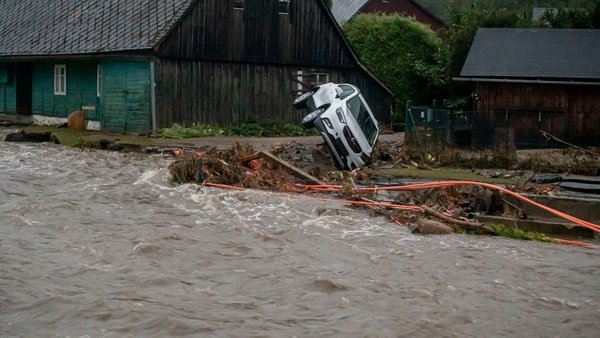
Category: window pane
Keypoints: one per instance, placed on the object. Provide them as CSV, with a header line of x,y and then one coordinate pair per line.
x,y
284,6
60,79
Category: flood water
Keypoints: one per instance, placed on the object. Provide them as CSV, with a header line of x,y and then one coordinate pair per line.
x,y
101,244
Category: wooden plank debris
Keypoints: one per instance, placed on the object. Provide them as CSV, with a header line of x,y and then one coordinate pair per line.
x,y
278,161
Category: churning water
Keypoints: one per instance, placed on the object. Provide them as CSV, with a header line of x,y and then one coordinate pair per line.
x,y
101,244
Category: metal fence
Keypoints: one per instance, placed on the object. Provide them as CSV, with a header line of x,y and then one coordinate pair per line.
x,y
512,132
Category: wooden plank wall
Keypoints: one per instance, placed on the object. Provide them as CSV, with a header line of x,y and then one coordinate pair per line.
x,y
214,30
570,112
226,92
81,89
8,91
574,99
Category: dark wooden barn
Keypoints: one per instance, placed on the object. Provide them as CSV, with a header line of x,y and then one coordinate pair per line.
x,y
532,80
344,10
136,66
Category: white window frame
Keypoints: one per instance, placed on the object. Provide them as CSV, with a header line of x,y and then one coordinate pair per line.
x,y
60,79
310,77
287,6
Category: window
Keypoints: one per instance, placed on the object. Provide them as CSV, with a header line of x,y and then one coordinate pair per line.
x,y
284,6
306,80
98,79
60,80
238,4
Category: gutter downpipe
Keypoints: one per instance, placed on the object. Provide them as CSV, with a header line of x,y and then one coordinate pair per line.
x,y
153,96
476,79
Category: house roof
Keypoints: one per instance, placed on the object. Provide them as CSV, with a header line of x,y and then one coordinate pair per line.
x,y
520,53
344,10
63,27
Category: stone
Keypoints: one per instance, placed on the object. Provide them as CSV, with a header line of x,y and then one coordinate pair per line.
x,y
430,227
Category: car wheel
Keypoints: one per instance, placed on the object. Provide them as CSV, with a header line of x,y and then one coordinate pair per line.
x,y
300,101
309,120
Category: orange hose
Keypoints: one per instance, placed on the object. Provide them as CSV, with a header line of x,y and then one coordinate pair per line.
x,y
443,184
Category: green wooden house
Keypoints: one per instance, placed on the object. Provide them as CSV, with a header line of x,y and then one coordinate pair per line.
x,y
138,66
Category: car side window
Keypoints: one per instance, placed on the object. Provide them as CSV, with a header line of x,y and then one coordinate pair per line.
x,y
346,91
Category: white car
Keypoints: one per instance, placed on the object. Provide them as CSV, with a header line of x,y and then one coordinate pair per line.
x,y
343,117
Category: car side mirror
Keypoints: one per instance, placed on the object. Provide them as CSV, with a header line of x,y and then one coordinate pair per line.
x,y
338,91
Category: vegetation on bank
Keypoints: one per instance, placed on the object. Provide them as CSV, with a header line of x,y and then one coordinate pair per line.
x,y
245,129
405,54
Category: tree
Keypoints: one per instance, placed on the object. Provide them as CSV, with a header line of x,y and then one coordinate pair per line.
x,y
403,53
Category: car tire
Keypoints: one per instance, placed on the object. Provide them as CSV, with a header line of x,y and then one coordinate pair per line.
x,y
309,119
300,101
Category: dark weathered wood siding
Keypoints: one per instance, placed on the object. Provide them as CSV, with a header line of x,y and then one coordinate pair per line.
x,y
223,92
570,112
403,7
214,30
224,65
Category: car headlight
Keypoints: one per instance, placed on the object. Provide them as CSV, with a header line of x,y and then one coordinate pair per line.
x,y
340,114
327,123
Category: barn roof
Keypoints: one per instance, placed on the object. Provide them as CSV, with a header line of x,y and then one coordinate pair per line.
x,y
62,27
538,54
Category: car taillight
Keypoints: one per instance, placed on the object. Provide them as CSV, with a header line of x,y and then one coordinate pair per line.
x,y
340,114
352,142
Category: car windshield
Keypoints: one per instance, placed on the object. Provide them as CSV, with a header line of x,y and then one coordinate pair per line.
x,y
346,91
362,116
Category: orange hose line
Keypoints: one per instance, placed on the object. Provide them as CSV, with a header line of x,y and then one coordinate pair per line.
x,y
420,186
383,204
575,243
404,207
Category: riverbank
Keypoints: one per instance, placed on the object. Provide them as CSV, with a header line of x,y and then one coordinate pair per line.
x,y
306,152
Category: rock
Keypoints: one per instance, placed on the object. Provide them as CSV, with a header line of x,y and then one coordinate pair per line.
x,y
430,227
76,120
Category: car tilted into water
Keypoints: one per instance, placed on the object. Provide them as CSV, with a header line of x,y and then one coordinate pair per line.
x,y
343,118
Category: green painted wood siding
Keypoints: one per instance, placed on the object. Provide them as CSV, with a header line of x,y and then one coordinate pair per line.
x,y
81,89
8,91
126,96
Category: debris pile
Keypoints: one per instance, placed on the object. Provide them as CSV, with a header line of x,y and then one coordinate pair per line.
x,y
427,208
226,167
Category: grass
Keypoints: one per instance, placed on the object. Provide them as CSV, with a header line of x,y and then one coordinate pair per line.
x,y
245,129
442,174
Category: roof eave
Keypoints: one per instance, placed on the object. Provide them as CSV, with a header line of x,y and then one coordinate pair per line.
x,y
591,82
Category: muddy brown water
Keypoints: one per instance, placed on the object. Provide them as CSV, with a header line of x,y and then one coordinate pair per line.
x,y
100,244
